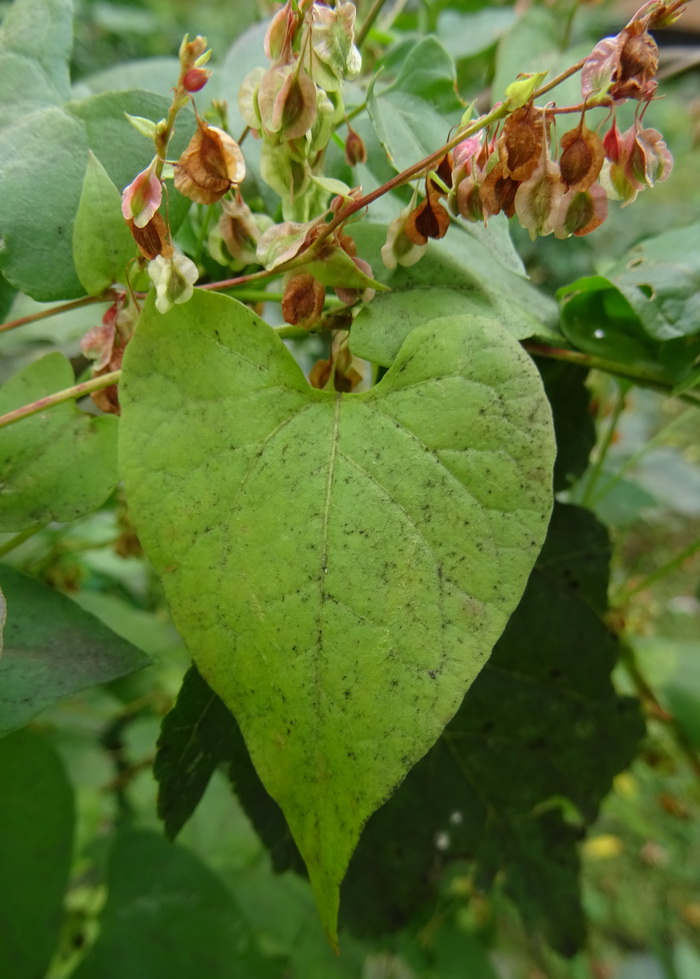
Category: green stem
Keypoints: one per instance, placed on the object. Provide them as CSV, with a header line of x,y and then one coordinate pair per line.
x,y
657,439
44,314
19,538
645,377
568,24
203,231
671,565
374,12
597,467
68,394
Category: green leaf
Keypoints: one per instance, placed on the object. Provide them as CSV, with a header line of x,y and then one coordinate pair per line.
x,y
169,917
574,427
36,841
597,319
413,115
198,734
36,40
660,279
56,465
52,650
42,172
467,273
311,575
102,242
195,736
541,725
645,311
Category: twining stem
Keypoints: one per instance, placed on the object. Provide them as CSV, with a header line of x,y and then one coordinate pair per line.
x,y
646,377
68,394
597,467
667,568
648,697
374,12
44,314
20,538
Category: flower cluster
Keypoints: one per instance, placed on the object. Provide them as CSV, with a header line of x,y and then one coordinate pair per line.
x,y
552,186
295,104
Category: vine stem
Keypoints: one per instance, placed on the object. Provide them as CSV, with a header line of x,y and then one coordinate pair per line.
x,y
20,538
44,314
642,376
597,467
68,394
671,565
369,20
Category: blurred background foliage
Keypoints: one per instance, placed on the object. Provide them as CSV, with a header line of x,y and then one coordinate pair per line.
x,y
642,863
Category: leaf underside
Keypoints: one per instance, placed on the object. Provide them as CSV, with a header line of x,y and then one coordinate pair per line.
x,y
339,565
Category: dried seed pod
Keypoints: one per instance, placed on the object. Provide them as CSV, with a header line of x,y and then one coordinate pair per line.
x,y
302,303
498,192
428,220
210,166
520,144
581,157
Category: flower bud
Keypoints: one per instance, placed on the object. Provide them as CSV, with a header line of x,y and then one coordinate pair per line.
x,y
355,149
195,79
210,166
192,51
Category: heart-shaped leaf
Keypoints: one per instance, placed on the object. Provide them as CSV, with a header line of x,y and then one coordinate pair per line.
x,y
339,565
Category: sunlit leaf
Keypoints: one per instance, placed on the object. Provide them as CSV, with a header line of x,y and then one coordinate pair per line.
x,y
337,566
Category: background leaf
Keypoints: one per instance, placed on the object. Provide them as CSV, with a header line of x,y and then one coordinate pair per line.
x,y
646,309
36,842
660,278
36,39
169,917
471,272
413,115
102,242
45,150
58,464
281,498
52,650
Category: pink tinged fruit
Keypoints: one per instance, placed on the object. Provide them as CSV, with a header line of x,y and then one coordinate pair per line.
x,y
142,198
